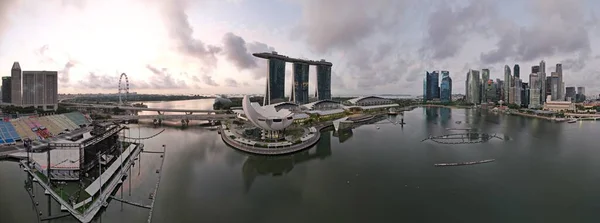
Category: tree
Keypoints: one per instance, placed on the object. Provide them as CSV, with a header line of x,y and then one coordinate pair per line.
x,y
513,106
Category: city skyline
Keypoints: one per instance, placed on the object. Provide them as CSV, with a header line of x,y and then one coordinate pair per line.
x,y
204,47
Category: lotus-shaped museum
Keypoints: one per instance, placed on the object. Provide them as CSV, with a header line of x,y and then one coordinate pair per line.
x,y
267,117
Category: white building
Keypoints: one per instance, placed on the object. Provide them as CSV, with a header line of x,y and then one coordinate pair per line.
x,y
268,118
558,106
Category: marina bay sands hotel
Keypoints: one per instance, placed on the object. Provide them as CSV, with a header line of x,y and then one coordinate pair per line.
x,y
275,92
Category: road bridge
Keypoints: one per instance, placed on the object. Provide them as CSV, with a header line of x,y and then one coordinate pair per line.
x,y
176,117
131,108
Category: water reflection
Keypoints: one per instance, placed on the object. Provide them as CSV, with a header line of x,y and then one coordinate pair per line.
x,y
343,135
255,166
445,116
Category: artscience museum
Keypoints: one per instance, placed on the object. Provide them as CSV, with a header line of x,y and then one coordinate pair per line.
x,y
273,122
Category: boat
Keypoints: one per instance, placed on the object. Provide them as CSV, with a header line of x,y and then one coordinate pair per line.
x,y
464,163
573,120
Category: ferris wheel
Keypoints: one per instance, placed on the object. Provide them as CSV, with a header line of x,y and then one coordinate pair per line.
x,y
123,89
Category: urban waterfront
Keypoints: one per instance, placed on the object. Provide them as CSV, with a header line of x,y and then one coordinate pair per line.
x,y
543,172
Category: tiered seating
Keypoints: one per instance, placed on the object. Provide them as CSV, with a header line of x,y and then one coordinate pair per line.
x,y
22,133
26,128
68,122
77,118
8,133
50,125
39,128
54,119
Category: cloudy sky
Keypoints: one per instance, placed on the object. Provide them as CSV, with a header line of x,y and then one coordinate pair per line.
x,y
376,46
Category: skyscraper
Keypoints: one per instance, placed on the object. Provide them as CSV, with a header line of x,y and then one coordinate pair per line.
x,y
300,84
535,69
485,76
275,91
473,85
15,79
517,71
534,91
542,78
40,89
570,93
323,82
561,87
431,86
499,90
446,87
517,97
554,87
6,89
507,84
580,96
491,91
524,95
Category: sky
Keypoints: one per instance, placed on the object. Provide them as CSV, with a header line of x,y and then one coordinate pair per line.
x,y
376,46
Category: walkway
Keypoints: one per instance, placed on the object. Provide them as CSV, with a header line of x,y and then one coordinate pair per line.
x,y
131,202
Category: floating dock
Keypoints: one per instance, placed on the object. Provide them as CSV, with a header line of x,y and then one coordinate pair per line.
x,y
463,163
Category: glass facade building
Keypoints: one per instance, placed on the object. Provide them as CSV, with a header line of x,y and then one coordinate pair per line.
x,y
275,82
323,82
507,83
570,93
446,87
300,84
473,87
431,86
517,71
524,95
6,89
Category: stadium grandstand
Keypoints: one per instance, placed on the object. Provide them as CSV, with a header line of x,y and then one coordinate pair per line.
x,y
37,128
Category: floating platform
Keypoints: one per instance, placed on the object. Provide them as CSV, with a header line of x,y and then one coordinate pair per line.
x,y
463,163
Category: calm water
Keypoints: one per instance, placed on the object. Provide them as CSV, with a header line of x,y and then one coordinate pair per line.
x,y
546,172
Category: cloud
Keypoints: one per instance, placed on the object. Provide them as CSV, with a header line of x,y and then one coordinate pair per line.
x,y
558,29
65,73
230,82
162,79
99,81
181,31
342,24
5,6
209,81
236,52
448,27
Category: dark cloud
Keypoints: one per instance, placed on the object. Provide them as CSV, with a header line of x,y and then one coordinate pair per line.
x,y
209,81
181,31
449,27
162,79
65,73
342,24
196,79
246,84
230,82
235,51
558,29
99,81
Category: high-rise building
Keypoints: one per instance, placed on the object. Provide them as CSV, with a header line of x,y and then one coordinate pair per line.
x,y
524,95
561,86
535,69
548,83
473,85
431,86
15,79
507,83
534,91
323,82
6,86
499,90
554,87
485,76
570,94
517,97
446,87
300,84
517,71
581,90
491,91
542,78
40,89
275,91
580,96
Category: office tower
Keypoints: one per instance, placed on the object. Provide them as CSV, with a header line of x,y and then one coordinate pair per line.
x,y
580,96
507,84
490,91
431,86
275,91
534,91
548,87
473,85
517,91
535,69
581,90
6,86
446,87
570,94
554,87
300,84
542,78
485,76
517,71
561,86
499,89
323,82
15,79
524,95
40,89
